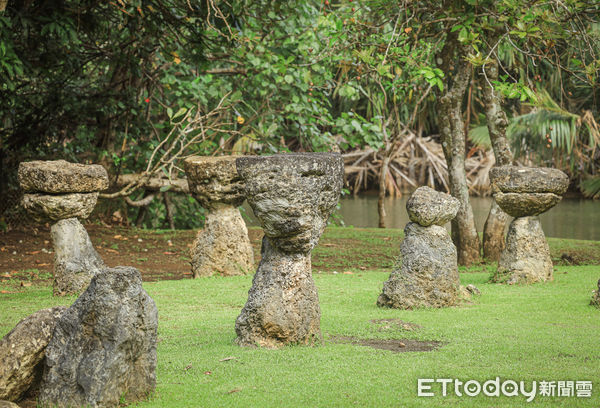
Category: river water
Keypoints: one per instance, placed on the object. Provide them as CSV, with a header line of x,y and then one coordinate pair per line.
x,y
574,218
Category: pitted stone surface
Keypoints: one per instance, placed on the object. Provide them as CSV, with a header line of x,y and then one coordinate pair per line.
x,y
222,247
214,180
283,304
526,204
104,346
526,257
428,273
46,207
60,176
428,207
22,351
292,195
512,179
76,261
596,296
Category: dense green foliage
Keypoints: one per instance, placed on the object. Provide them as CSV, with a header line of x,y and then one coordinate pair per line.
x,y
138,85
530,333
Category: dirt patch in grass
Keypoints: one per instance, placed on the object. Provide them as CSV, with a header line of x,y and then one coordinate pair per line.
x,y
576,257
395,324
393,345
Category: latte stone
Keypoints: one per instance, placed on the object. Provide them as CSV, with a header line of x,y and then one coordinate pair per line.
x,y
222,247
427,273
596,296
62,193
524,193
292,195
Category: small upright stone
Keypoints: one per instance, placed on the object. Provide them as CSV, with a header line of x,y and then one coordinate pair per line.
x,y
428,207
596,296
428,274
223,246
524,193
104,346
292,195
63,193
22,351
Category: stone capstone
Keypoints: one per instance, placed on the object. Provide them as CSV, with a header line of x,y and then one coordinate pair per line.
x,y
427,275
222,247
292,195
60,176
22,351
526,257
512,179
103,348
428,207
214,180
526,204
76,261
45,207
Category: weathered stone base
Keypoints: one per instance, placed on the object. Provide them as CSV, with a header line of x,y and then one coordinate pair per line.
x,y
283,304
76,261
595,299
428,276
526,257
22,352
103,349
223,246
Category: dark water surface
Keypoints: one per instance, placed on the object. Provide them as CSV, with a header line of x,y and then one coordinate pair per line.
x,y
575,218
571,218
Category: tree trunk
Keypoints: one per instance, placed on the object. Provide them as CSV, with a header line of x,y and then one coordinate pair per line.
x,y
141,215
495,224
382,189
169,210
452,131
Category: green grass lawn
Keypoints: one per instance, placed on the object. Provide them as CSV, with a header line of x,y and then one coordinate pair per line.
x,y
539,332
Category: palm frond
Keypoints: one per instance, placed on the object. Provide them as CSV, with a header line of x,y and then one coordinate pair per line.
x,y
591,187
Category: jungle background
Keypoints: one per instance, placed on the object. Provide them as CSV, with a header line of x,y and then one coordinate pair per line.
x,y
138,85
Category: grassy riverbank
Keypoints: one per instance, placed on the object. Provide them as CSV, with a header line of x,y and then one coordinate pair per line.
x,y
529,333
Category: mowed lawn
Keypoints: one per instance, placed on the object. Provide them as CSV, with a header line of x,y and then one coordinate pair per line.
x,y
524,333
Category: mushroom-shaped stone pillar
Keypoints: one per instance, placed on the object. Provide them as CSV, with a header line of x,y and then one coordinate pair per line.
x,y
428,274
62,192
292,195
524,193
223,246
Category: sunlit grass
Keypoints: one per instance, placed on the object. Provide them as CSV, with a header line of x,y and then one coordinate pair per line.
x,y
539,332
